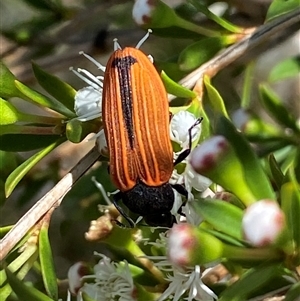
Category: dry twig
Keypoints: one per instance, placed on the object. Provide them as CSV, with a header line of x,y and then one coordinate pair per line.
x,y
50,200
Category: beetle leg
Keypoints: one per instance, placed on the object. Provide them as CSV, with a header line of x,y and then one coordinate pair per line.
x,y
187,151
181,189
116,198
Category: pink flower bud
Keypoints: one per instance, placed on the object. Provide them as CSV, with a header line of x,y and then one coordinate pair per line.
x,y
263,221
190,246
181,243
142,11
154,14
75,273
216,159
208,154
240,119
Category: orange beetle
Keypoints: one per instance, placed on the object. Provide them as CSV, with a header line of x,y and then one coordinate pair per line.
x,y
135,112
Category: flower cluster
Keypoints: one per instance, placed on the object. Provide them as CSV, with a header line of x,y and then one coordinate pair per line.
x,y
110,277
236,221
189,248
110,281
181,280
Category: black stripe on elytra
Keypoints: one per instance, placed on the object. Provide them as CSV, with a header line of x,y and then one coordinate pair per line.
x,y
123,64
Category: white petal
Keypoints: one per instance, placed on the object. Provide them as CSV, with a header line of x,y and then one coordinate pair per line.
x,y
88,103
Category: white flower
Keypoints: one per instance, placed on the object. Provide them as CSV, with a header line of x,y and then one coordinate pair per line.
x,y
195,180
180,282
188,281
191,216
112,281
180,124
88,101
179,132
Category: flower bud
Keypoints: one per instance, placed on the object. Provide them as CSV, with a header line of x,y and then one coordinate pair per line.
x,y
190,246
209,154
263,222
153,14
252,125
216,159
75,274
76,130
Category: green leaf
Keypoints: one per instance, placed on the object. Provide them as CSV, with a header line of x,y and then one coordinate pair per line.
x,y
175,88
215,98
287,156
42,100
290,202
5,289
222,22
7,80
247,85
223,216
293,293
144,294
287,68
4,230
44,4
23,291
9,113
60,90
170,67
276,108
258,277
255,176
281,7
200,52
86,297
16,176
8,162
296,163
163,16
225,238
47,264
175,32
23,263
25,142
206,130
277,175
257,129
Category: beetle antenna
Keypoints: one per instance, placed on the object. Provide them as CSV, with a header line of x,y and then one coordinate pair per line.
x,y
102,190
141,42
116,45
